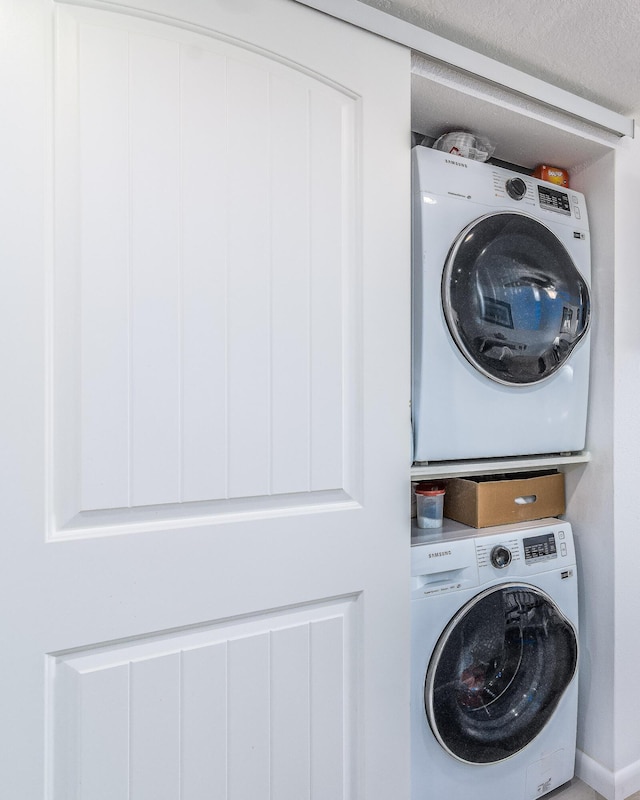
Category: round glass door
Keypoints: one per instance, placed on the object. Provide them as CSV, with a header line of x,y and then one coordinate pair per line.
x,y
498,673
514,301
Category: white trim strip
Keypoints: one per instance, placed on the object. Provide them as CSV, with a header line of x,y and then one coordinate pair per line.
x,y
613,785
427,43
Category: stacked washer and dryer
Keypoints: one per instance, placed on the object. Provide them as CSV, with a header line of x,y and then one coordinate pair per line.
x,y
501,321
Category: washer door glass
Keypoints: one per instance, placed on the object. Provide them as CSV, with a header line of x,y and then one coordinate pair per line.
x,y
514,301
498,673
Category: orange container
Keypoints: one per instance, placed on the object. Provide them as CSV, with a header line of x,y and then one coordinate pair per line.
x,y
555,175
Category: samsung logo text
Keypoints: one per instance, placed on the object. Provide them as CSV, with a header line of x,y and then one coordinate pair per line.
x,y
440,553
457,163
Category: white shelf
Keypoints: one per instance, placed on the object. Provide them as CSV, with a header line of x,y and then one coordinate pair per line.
x,y
488,466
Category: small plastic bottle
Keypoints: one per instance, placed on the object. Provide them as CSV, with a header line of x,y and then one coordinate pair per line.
x,y
429,504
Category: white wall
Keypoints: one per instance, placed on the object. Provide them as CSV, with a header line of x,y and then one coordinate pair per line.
x,y
626,467
589,487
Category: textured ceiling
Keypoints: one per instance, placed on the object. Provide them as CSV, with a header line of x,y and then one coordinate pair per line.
x,y
589,47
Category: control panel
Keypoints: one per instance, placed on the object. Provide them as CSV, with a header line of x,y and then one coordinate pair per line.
x,y
540,548
461,558
554,200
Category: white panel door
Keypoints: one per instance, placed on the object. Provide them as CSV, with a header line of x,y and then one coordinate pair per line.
x,y
205,418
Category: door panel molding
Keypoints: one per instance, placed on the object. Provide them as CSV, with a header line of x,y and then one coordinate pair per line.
x,y
206,329
225,707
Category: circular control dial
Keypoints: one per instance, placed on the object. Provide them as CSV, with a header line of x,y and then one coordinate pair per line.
x,y
500,556
516,188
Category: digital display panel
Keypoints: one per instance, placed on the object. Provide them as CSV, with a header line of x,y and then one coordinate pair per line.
x,y
536,547
554,200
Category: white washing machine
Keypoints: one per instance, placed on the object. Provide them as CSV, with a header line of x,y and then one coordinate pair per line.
x,y
494,694
501,312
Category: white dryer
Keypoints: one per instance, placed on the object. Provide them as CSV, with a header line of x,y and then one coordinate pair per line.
x,y
494,694
501,312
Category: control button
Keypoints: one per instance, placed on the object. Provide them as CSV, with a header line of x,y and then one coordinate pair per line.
x,y
516,188
560,534
576,211
563,549
574,199
500,556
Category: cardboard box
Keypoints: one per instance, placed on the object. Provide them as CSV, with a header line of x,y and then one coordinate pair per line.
x,y
486,500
